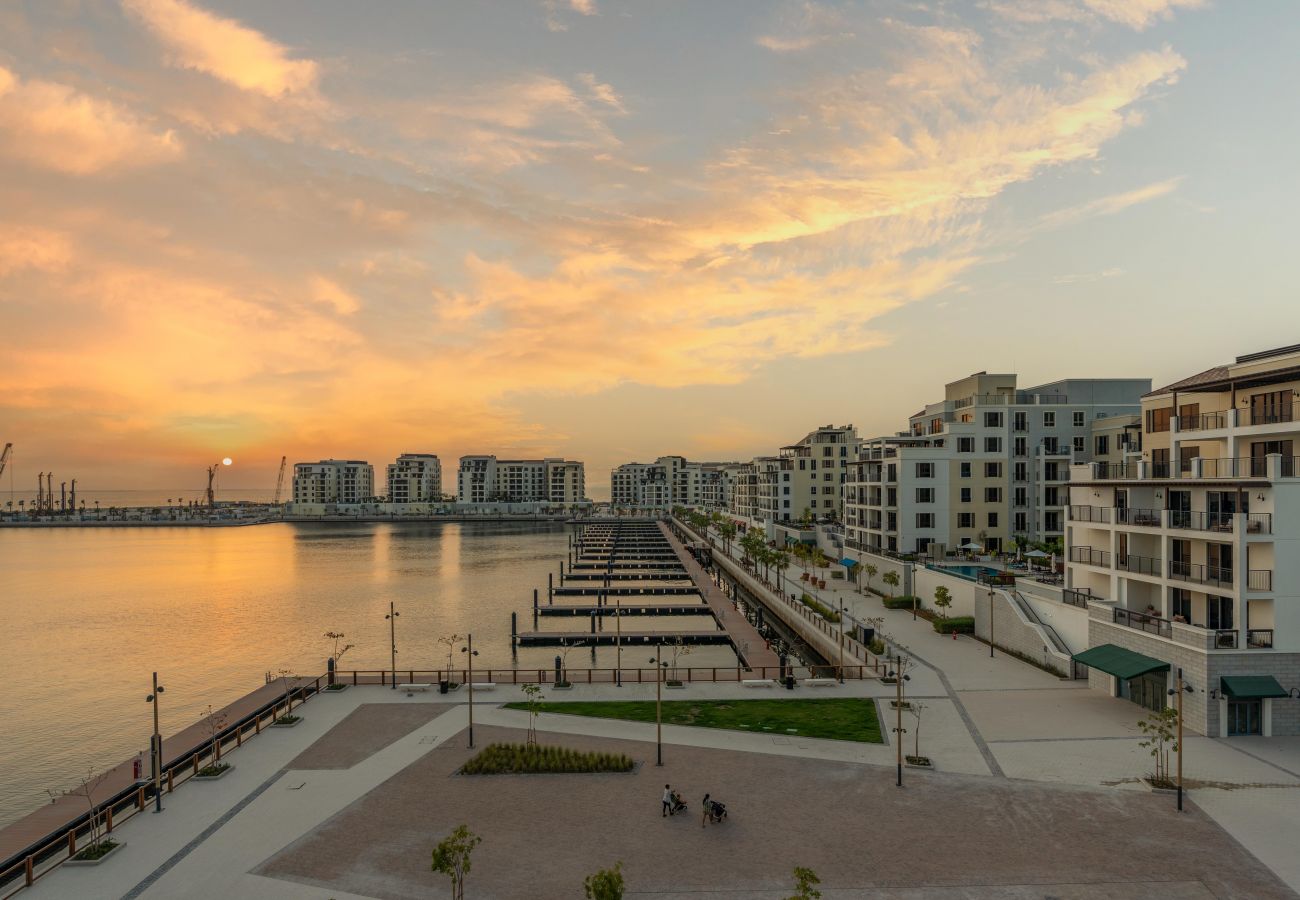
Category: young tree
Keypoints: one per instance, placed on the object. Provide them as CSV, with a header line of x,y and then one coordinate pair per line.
x,y
337,637
679,649
283,675
452,858
916,709
85,789
1159,727
891,579
533,693
213,722
450,641
943,600
605,884
804,879
870,571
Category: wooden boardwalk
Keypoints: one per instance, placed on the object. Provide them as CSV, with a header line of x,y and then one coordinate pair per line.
x,y
751,646
49,818
627,638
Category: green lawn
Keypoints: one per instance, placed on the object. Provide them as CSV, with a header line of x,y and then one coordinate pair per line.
x,y
851,719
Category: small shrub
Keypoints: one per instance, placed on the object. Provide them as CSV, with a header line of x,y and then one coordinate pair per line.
x,y
287,719
958,624
904,602
820,608
210,770
97,850
510,759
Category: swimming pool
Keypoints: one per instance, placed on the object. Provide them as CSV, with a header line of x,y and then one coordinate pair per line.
x,y
970,573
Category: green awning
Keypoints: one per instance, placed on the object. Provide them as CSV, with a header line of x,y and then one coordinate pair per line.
x,y
1251,687
1120,662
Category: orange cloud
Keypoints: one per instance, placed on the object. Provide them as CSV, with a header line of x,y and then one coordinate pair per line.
x,y
53,126
27,247
224,48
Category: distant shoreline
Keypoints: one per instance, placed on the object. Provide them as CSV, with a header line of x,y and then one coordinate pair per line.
x,y
231,523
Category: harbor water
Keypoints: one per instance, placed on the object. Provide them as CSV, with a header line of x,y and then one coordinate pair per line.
x,y
89,614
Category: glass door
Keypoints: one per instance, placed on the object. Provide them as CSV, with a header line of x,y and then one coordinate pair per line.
x,y
1180,509
1244,717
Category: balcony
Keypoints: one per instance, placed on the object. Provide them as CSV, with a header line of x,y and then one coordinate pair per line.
x,y
1200,521
1087,513
1214,576
1091,557
1078,596
1139,565
1259,523
1271,415
1259,638
1259,580
1143,622
1146,518
1206,421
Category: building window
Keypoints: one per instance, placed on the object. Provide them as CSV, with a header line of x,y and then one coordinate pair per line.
x,y
1180,604
1021,447
993,520
1078,444
1049,420
1052,521
1158,419
1101,446
965,470
992,495
801,464
1020,421
1218,612
1021,497
925,520
993,420
965,445
965,495
965,520
925,495
925,470
1049,445
993,445
828,451
993,470
1080,418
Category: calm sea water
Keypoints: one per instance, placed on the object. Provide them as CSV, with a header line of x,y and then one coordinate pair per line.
x,y
90,613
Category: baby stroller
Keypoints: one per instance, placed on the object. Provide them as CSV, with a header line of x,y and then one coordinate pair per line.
x,y
717,812
678,804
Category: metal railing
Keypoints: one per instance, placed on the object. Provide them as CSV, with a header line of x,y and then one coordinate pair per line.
x,y
1217,576
1148,518
1143,622
1078,596
47,854
1271,416
1139,565
1090,556
1259,638
1259,523
1089,513
1204,421
1235,467
1259,580
1200,521
1116,471
1225,639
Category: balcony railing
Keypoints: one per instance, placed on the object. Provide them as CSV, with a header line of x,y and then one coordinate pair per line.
x,y
1272,415
1089,513
1143,622
1116,471
1225,639
1259,638
1215,576
1259,580
1235,467
1147,518
1200,521
1259,523
1205,421
1226,467
1090,556
1140,565
1078,596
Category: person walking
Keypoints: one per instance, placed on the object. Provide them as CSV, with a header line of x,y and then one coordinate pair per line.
x,y
668,801
705,804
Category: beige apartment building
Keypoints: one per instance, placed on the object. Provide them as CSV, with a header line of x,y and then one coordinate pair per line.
x,y
806,478
415,478
333,481
486,479
1186,553
987,463
672,481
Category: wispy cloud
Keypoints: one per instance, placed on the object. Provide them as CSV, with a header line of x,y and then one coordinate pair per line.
x,y
1110,204
555,9
803,25
54,126
224,48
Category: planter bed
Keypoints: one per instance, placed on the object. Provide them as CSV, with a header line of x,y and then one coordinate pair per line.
x,y
117,845
206,773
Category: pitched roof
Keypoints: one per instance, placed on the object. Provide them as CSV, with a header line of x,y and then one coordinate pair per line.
x,y
1209,376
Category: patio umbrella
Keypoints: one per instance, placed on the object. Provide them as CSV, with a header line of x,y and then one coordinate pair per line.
x,y
1036,554
971,545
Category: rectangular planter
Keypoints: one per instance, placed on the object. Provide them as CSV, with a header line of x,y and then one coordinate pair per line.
x,y
94,862
220,775
294,724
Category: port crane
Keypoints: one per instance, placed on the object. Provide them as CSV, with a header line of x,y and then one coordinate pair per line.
x,y
212,477
279,480
8,451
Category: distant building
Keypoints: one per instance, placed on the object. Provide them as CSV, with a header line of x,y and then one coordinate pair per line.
x,y
333,481
671,481
986,464
807,478
486,479
415,478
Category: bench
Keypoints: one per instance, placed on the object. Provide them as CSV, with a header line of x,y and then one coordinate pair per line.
x,y
415,687
758,682
484,685
820,682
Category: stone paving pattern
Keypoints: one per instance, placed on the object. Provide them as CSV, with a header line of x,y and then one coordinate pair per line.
x,y
940,836
367,729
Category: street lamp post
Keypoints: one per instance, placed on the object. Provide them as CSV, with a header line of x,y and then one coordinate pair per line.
x,y
1180,687
392,638
156,743
841,640
990,621
659,698
470,653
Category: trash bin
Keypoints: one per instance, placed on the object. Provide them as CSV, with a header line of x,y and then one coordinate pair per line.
x,y
868,635
789,682
443,686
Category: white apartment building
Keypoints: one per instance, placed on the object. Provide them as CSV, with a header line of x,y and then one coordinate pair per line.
x,y
987,463
1186,553
807,478
486,479
333,481
415,478
671,481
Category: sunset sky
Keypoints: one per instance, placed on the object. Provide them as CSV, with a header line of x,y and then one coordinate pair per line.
x,y
614,229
